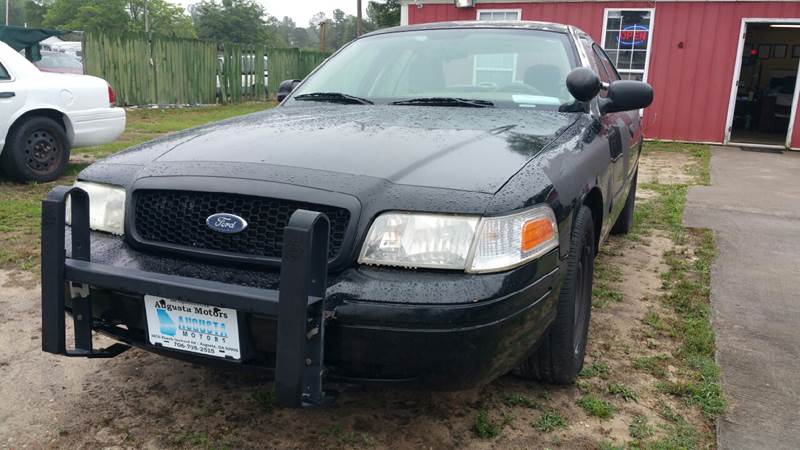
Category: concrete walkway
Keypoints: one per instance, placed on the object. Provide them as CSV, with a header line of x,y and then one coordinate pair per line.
x,y
753,206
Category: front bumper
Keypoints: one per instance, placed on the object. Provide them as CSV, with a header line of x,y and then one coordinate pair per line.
x,y
431,329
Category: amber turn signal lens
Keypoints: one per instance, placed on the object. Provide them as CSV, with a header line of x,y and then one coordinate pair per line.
x,y
536,232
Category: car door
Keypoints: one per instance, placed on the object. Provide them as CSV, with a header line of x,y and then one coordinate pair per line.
x,y
630,127
10,99
611,130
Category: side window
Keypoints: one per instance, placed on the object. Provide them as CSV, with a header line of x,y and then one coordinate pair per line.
x,y
606,61
596,63
4,75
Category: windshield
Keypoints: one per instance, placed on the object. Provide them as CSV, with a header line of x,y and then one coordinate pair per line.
x,y
496,67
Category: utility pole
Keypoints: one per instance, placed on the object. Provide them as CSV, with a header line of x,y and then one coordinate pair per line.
x,y
8,10
322,26
360,22
146,18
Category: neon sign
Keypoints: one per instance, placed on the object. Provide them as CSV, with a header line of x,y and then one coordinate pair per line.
x,y
634,35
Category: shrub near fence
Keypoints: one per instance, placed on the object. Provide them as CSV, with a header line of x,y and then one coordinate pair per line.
x,y
146,70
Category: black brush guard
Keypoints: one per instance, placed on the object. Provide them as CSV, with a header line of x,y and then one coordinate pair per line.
x,y
298,304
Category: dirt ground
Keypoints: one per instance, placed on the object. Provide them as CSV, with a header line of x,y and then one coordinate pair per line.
x,y
139,400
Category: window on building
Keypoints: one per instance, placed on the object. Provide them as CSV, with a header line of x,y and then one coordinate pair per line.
x,y
499,14
627,37
496,69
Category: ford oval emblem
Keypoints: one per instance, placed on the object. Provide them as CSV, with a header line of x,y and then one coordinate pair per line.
x,y
226,223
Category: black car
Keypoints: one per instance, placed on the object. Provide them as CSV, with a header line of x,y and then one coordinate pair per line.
x,y
424,209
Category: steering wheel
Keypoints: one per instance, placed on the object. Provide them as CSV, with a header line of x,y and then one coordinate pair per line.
x,y
516,88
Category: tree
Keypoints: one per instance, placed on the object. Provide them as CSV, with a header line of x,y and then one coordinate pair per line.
x,y
34,12
243,21
88,15
163,17
384,14
118,16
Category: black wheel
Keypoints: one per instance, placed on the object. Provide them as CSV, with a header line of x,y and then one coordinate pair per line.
x,y
625,220
36,150
559,358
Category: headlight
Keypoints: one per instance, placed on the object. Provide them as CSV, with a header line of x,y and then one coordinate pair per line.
x,y
476,245
106,207
510,241
419,240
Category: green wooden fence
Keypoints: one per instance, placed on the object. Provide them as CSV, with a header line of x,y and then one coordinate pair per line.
x,y
290,64
147,70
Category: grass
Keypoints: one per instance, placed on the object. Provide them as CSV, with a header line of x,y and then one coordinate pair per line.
x,y
600,370
622,391
595,406
549,421
20,204
603,293
608,445
686,285
654,365
688,291
264,399
519,400
678,434
640,429
484,427
349,438
701,153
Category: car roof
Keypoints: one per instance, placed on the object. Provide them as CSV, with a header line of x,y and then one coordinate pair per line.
x,y
476,24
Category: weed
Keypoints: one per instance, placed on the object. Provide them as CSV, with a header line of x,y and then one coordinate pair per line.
x,y
595,406
701,153
549,421
514,400
601,370
609,445
602,296
622,391
484,427
654,320
349,438
640,429
264,399
654,365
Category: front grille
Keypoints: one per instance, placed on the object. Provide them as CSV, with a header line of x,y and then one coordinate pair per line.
x,y
179,218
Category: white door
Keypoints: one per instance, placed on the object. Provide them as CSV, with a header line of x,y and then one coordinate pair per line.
x,y
10,100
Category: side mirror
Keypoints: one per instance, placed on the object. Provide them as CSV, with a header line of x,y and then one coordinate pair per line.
x,y
286,88
583,84
626,95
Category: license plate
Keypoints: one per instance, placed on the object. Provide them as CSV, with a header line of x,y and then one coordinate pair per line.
x,y
190,327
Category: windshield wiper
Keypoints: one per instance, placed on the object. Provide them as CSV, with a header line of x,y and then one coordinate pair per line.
x,y
333,97
446,101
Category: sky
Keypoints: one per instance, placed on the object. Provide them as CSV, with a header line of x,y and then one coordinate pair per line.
x,y
299,10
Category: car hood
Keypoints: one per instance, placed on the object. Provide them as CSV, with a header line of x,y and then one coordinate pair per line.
x,y
465,149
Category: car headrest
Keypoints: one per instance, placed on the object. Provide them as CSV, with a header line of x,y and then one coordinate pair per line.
x,y
547,79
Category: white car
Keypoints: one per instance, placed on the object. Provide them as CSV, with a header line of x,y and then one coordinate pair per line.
x,y
44,115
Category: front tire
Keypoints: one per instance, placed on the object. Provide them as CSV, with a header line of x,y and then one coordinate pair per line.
x,y
559,358
36,149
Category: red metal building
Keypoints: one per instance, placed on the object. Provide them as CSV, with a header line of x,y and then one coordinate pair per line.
x,y
723,71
